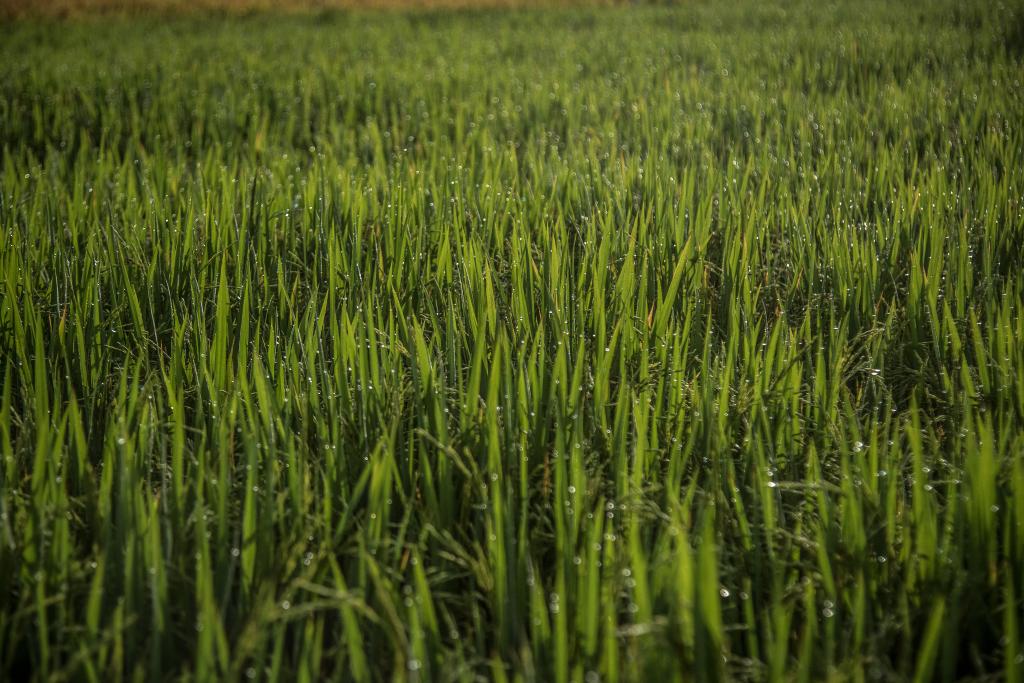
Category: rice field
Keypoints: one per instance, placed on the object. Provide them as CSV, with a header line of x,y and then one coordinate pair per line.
x,y
642,343
202,9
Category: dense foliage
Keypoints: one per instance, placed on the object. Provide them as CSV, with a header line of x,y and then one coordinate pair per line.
x,y
679,342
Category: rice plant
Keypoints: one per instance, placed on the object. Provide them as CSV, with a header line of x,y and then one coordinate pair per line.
x,y
620,344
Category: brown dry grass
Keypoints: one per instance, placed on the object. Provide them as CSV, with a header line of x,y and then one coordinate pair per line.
x,y
71,8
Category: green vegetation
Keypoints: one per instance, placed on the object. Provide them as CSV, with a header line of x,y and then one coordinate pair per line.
x,y
21,9
659,343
